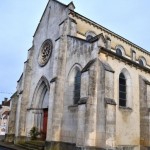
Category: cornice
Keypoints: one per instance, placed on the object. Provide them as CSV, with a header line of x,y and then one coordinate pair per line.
x,y
124,59
20,77
79,16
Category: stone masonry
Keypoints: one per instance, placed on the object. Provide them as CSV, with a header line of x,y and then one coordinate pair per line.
x,y
92,83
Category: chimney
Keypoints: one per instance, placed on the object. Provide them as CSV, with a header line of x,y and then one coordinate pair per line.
x,y
5,99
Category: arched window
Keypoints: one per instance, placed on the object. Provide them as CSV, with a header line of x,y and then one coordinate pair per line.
x,y
89,37
77,86
118,52
141,62
122,90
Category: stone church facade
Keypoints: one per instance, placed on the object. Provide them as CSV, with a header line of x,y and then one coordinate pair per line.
x,y
84,86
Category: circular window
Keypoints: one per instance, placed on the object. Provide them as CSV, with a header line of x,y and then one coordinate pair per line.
x,y
45,52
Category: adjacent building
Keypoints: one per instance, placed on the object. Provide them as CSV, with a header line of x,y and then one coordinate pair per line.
x,y
4,116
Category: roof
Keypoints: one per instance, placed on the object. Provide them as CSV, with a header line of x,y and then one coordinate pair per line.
x,y
6,103
20,77
95,24
45,11
6,113
13,95
108,31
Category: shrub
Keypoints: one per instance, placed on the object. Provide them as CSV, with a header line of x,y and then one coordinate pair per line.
x,y
34,133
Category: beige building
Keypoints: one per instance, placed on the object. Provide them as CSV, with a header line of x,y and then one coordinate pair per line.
x,y
4,116
84,86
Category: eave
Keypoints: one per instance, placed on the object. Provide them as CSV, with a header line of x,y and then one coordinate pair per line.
x,y
124,59
73,13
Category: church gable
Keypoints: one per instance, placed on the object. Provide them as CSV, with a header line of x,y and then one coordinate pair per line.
x,y
54,13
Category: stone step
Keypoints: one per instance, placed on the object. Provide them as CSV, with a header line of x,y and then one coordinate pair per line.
x,y
39,143
24,147
32,145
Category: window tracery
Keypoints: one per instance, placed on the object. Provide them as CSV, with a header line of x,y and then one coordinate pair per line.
x,y
45,52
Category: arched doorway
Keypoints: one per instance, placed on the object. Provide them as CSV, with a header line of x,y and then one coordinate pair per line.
x,y
45,118
40,104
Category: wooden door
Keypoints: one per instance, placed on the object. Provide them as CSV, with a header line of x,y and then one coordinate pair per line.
x,y
45,118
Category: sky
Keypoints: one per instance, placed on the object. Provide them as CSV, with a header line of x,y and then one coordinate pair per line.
x,y
19,19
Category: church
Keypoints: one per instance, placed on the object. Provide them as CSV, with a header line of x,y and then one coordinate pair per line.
x,y
84,86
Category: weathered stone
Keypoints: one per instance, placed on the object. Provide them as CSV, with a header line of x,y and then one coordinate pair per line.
x,y
73,96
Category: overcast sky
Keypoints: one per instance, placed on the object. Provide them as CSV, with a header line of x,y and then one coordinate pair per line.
x,y
19,19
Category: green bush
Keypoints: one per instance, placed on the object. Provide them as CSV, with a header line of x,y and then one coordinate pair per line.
x,y
34,133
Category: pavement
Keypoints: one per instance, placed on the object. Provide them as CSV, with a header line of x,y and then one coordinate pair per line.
x,y
10,146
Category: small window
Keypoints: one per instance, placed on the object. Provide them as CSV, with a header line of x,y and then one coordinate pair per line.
x,y
122,90
118,52
141,62
133,55
77,86
89,37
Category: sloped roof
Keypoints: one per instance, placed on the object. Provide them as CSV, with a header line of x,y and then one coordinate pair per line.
x,y
6,103
45,11
108,31
6,113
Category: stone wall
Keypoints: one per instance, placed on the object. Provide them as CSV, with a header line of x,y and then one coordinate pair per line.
x,y
96,121
144,113
12,119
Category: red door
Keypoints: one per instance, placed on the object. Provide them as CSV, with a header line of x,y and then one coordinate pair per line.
x,y
45,123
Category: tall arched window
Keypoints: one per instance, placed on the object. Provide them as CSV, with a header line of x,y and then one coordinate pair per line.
x,y
122,90
77,86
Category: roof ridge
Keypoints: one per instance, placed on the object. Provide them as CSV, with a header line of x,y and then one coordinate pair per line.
x,y
44,13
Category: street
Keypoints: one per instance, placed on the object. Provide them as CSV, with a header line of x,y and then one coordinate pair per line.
x,y
3,148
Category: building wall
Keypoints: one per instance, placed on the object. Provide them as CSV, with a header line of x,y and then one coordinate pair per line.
x,y
10,135
32,75
50,31
4,119
127,120
84,26
12,116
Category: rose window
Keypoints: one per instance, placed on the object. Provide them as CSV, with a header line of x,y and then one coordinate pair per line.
x,y
45,52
